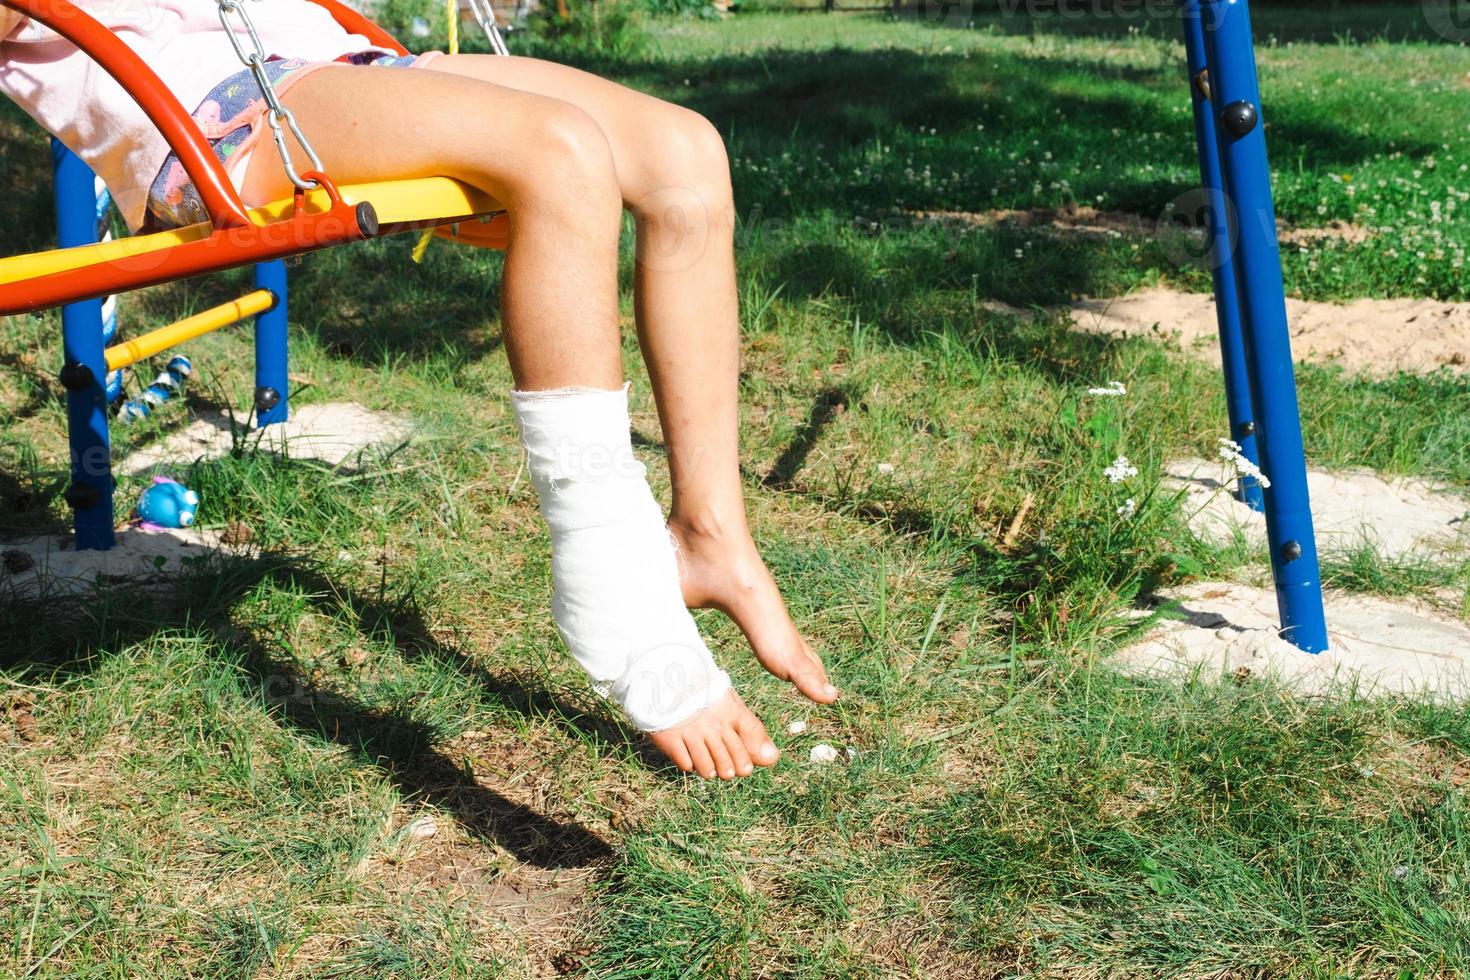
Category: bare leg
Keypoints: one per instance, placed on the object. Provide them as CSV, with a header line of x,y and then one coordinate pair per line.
x,y
673,174
550,164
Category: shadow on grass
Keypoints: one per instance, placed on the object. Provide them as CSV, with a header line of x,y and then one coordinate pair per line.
x,y
76,632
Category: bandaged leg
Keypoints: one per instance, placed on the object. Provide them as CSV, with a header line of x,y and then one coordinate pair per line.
x,y
617,601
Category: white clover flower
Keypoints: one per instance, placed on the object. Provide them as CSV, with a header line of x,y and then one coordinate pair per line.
x,y
1128,508
1231,453
1114,389
1120,470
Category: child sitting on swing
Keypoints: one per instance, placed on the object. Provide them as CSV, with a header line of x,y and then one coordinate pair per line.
x,y
565,152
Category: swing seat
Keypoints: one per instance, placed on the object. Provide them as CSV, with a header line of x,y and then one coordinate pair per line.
x,y
460,212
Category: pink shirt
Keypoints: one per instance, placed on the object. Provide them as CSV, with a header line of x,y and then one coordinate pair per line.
x,y
182,40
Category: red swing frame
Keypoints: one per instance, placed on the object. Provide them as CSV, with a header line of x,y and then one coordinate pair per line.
x,y
234,238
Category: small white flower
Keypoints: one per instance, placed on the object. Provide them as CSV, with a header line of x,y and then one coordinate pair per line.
x,y
796,727
1120,470
1128,508
1231,453
1114,389
823,754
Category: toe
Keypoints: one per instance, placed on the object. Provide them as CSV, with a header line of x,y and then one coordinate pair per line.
x,y
699,753
736,748
724,765
810,677
758,744
672,745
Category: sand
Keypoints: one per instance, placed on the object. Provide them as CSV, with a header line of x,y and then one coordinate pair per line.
x,y
48,566
1369,336
1400,519
336,433
1378,646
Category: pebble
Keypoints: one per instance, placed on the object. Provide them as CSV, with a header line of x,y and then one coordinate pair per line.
x,y
422,828
823,754
796,728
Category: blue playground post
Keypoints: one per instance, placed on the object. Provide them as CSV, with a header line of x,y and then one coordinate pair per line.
x,y
272,403
1222,262
1246,181
84,372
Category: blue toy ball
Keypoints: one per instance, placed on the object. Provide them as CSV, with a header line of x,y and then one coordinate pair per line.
x,y
168,503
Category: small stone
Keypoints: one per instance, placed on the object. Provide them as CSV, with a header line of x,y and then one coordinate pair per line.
x,y
797,727
25,724
851,752
422,828
823,754
1224,633
237,533
885,469
1400,873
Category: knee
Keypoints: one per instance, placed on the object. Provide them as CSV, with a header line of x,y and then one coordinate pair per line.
x,y
687,157
568,165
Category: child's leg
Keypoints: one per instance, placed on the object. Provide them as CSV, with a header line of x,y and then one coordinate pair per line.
x,y
549,163
673,175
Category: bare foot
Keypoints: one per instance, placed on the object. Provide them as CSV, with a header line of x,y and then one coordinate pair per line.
x,y
723,571
723,740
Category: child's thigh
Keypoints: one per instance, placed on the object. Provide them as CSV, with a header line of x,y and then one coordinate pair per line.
x,y
371,123
643,132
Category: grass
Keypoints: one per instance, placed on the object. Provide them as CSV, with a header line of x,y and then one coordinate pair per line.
x,y
232,779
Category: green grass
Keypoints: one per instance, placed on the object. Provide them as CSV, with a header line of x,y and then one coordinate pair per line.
x,y
220,781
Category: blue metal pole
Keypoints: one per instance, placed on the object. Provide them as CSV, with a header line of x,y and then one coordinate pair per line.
x,y
272,403
84,372
1222,262
1246,176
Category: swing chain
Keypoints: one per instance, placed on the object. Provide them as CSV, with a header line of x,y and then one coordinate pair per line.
x,y
485,16
278,113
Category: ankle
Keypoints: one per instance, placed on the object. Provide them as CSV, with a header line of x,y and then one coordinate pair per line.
x,y
713,524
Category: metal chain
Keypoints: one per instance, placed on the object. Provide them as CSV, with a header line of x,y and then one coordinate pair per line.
x,y
485,17
277,113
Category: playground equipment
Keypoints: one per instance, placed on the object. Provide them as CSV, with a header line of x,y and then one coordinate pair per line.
x,y
1239,222
89,265
1260,389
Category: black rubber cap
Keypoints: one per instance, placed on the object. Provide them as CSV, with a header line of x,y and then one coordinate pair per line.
x,y
77,377
1291,551
1239,118
82,496
266,399
367,220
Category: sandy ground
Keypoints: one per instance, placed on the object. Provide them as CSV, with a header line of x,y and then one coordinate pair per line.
x,y
46,566
1376,337
1378,646
335,433
1399,518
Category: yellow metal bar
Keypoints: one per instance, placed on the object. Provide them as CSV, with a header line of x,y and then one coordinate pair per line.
x,y
197,325
397,202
